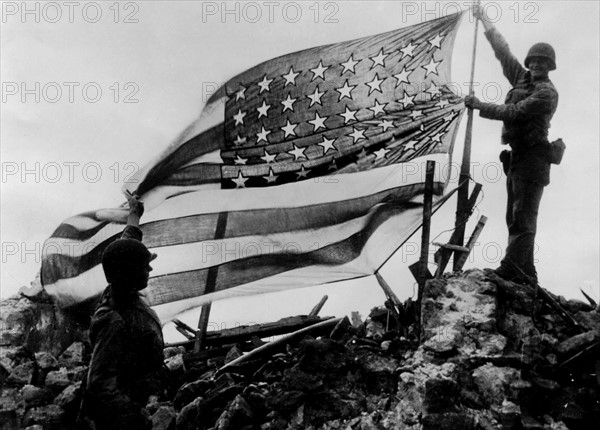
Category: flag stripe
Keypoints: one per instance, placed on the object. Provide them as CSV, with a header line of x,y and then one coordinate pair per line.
x,y
338,188
243,228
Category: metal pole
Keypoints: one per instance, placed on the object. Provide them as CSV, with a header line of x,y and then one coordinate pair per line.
x,y
462,214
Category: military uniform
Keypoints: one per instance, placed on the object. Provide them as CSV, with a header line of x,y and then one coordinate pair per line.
x,y
528,109
127,359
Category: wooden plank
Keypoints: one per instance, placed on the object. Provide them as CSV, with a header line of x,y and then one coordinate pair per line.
x,y
315,311
461,259
184,326
247,332
451,247
388,290
185,333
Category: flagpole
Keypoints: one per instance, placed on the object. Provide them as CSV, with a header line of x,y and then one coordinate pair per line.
x,y
462,211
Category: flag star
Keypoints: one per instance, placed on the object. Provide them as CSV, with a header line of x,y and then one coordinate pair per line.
x,y
240,160
290,78
318,122
315,97
239,140
362,154
377,108
332,165
437,137
288,103
406,100
327,144
379,59
349,65
381,153
386,124
431,67
348,115
272,177
450,116
289,129
435,42
262,110
319,71
262,135
375,84
239,117
408,50
402,76
442,103
345,91
410,144
415,114
433,90
264,84
240,94
357,134
297,152
269,158
302,173
240,181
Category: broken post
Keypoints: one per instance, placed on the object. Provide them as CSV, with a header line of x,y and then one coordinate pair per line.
x,y
442,255
427,203
461,258
211,283
315,311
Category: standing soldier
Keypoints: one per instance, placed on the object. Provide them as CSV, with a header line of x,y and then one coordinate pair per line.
x,y
526,114
126,335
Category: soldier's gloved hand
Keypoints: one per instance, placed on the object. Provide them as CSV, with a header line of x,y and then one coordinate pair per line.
x,y
472,102
136,206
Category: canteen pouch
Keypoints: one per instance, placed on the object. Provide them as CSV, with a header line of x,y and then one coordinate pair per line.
x,y
556,150
505,160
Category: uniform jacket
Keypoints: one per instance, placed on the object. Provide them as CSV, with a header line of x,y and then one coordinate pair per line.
x,y
528,109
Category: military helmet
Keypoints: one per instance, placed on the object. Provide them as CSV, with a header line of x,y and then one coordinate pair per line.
x,y
544,50
123,256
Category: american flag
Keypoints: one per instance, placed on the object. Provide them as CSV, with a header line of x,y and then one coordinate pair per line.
x,y
300,171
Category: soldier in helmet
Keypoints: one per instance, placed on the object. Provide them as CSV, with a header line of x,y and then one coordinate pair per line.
x,y
526,114
126,335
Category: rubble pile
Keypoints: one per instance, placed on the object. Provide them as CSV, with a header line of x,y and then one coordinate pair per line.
x,y
489,355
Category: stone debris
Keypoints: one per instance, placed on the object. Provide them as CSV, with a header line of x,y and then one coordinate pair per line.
x,y
489,355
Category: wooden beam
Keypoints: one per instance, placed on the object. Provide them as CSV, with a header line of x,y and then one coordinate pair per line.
x,y
426,228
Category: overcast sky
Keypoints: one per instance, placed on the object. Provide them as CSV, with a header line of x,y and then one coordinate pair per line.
x,y
92,91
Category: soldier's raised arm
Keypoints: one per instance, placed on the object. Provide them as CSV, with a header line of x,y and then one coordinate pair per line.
x,y
511,67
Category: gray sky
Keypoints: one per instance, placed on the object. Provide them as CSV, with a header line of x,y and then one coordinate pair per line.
x,y
111,94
